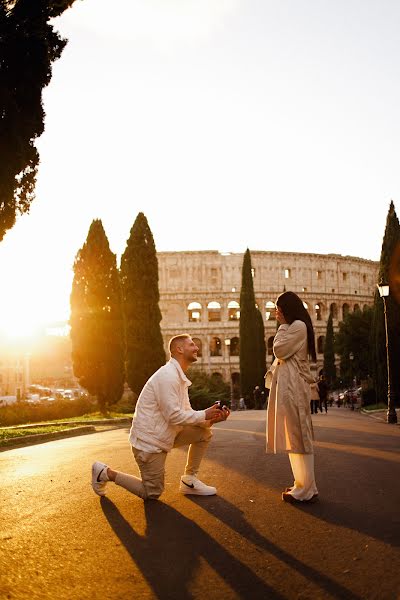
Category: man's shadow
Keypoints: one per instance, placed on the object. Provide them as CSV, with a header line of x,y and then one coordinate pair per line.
x,y
169,553
233,517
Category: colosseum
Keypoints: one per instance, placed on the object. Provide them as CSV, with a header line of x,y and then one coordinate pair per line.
x,y
200,292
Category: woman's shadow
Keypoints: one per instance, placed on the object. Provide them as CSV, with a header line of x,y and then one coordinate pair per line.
x,y
234,518
169,553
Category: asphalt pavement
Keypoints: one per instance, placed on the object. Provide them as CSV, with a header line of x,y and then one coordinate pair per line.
x,y
60,541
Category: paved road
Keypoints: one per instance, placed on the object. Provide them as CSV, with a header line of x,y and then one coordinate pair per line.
x,y
60,541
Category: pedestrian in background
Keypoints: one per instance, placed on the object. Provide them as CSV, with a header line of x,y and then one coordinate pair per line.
x,y
323,391
315,399
289,426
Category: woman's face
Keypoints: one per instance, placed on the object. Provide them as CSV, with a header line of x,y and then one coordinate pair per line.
x,y
279,315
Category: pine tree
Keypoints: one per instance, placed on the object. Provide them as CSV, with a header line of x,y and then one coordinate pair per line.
x,y
329,353
252,341
139,277
97,332
390,242
28,48
262,350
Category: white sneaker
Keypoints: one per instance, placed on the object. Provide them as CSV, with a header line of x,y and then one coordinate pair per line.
x,y
99,478
191,485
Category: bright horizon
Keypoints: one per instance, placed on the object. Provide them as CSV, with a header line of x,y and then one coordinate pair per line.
x,y
230,124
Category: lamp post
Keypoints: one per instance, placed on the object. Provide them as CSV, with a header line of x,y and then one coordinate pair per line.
x,y
351,357
391,415
228,349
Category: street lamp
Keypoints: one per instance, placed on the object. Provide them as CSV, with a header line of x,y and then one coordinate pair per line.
x,y
391,413
351,357
228,349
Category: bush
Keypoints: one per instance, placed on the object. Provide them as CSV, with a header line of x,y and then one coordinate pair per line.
x,y
368,397
127,403
206,390
23,412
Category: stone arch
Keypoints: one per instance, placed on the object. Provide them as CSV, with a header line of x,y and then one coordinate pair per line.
x,y
345,310
319,309
215,346
233,311
320,344
270,311
333,310
214,311
194,312
234,347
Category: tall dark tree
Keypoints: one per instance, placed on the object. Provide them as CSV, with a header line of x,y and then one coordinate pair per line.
x,y
329,352
261,349
139,277
352,340
97,326
252,340
390,242
28,47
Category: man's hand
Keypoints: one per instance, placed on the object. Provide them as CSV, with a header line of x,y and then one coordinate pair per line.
x,y
213,412
223,415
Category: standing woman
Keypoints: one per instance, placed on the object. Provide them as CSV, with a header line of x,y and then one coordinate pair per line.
x,y
289,426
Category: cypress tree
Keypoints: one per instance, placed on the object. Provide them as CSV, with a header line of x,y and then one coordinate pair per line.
x,y
329,353
252,340
390,242
139,278
28,48
262,350
97,332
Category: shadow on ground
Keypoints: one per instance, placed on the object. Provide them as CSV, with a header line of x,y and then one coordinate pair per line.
x,y
234,518
169,553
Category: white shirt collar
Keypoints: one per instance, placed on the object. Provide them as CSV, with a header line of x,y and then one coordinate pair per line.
x,y
180,371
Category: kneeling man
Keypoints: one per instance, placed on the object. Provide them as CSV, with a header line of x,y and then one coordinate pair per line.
x,y
164,419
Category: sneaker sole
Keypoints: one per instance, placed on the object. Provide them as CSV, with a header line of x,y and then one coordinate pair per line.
x,y
197,493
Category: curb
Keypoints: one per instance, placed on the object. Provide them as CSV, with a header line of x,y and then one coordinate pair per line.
x,y
374,414
42,437
119,421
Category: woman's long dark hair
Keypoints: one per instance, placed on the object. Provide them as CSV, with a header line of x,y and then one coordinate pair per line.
x,y
293,309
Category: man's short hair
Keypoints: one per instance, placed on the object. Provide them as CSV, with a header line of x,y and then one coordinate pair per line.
x,y
174,341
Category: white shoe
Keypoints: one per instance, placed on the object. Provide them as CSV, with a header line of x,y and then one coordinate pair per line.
x,y
99,478
191,485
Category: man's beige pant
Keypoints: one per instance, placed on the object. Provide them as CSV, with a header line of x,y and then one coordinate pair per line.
x,y
152,465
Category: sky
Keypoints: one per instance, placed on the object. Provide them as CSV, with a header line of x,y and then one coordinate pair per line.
x,y
229,123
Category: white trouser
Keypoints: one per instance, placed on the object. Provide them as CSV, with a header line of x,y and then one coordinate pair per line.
x,y
304,486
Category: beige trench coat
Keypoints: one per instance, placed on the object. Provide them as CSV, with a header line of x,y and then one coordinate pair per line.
x,y
289,426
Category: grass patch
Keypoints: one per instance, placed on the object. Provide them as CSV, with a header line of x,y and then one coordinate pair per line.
x,y
379,406
7,434
96,416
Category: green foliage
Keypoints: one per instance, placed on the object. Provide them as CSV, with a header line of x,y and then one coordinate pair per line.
x,y
23,412
139,278
206,390
252,339
97,332
378,337
353,337
28,47
329,353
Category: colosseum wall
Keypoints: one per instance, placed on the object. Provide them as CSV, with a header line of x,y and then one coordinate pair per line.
x,y
200,290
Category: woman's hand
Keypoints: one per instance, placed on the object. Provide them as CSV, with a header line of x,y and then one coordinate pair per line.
x,y
279,316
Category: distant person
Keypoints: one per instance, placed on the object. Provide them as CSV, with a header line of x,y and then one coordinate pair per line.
x,y
289,426
315,399
323,391
164,419
257,397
